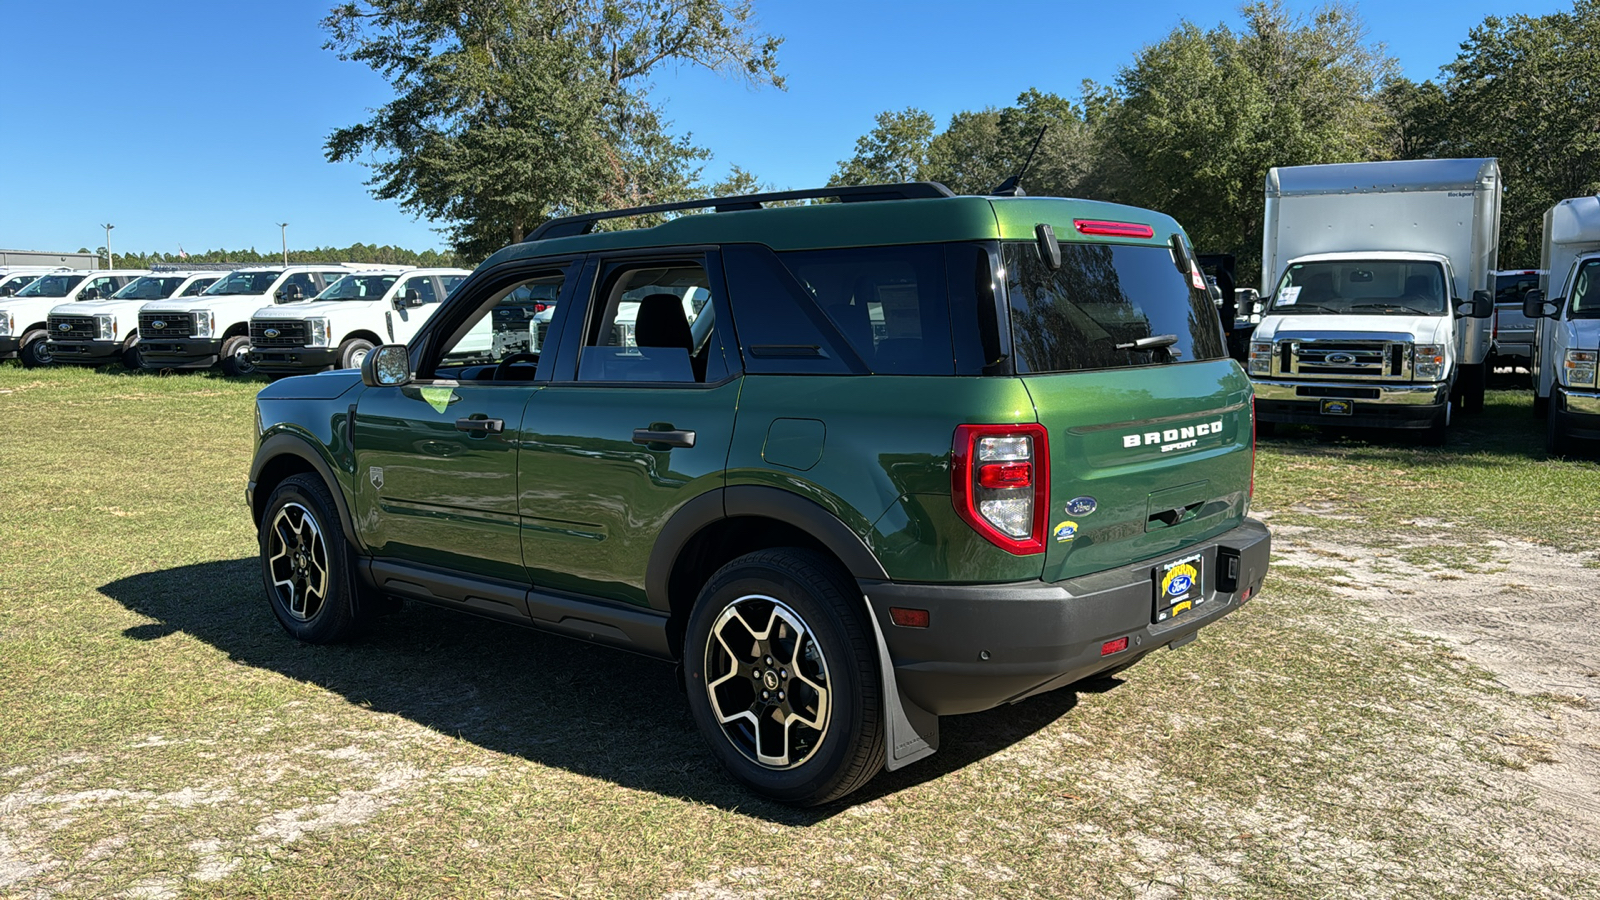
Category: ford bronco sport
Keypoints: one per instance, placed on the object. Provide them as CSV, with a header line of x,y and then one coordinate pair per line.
x,y
856,465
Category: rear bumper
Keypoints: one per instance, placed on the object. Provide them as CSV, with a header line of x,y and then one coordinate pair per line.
x,y
294,360
197,353
84,352
1375,404
989,644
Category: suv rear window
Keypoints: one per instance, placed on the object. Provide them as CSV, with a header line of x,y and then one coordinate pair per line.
x,y
1105,297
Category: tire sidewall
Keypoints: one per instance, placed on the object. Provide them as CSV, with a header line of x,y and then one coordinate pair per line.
x,y
333,621
233,362
817,776
349,349
35,350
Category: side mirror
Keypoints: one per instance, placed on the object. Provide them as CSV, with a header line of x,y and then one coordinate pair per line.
x,y
387,366
90,294
412,298
1483,304
8,291
1534,306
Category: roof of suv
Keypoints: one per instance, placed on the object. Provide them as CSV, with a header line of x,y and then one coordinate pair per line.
x,y
866,222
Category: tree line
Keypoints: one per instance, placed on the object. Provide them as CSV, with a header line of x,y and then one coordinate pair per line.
x,y
384,254
509,112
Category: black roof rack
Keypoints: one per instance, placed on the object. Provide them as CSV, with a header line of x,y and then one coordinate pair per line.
x,y
570,226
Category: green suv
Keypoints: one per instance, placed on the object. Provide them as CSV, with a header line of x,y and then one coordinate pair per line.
x,y
855,464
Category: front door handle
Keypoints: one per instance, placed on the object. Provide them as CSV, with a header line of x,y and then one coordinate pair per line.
x,y
480,425
665,436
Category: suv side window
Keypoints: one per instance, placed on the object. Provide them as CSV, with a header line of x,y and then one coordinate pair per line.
x,y
482,349
781,330
890,303
423,285
653,322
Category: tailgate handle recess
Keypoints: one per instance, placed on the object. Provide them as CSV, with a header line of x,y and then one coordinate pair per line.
x,y
1171,517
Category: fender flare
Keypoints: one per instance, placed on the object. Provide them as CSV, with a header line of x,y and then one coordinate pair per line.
x,y
287,444
758,501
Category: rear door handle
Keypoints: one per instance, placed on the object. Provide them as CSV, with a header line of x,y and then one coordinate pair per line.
x,y
481,424
669,436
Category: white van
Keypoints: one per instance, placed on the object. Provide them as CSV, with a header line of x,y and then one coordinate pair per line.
x,y
339,326
96,331
1566,350
23,315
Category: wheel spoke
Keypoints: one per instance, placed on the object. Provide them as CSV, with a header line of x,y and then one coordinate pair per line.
x,y
297,559
753,696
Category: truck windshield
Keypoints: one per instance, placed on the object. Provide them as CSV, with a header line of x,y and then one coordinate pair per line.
x,y
52,286
1584,303
358,287
150,287
244,283
1109,306
1510,286
1363,287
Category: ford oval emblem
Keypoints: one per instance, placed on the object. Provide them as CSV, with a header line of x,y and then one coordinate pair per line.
x,y
1081,506
1341,359
158,324
64,326
271,332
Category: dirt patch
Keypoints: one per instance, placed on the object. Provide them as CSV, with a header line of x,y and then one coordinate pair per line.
x,y
1521,611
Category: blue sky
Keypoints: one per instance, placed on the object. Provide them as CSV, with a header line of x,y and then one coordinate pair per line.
x,y
202,123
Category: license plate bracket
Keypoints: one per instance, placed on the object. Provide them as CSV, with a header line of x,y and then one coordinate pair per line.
x,y
1178,587
1338,406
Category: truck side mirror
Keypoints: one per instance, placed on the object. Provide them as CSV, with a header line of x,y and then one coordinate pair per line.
x,y
1534,306
90,294
412,298
387,366
1483,304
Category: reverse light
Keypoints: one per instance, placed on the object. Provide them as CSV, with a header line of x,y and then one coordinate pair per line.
x,y
105,327
1260,358
317,332
1427,362
205,322
1113,229
999,483
1580,366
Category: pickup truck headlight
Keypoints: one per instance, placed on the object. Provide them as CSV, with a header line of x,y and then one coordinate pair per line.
x,y
1580,368
316,332
1260,358
6,324
1427,362
205,322
105,327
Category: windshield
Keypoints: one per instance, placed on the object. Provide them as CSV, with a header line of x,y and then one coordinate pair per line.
x,y
52,286
150,287
244,283
1584,303
1363,287
358,287
1109,306
1509,287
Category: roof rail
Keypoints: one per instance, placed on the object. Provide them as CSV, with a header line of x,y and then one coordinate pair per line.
x,y
569,226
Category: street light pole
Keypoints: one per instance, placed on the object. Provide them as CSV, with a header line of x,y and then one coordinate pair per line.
x,y
283,235
110,263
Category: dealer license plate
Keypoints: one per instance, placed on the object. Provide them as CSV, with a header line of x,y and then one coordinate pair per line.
x,y
1178,587
1338,407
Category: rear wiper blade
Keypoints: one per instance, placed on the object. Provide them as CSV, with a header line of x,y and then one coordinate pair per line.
x,y
1153,342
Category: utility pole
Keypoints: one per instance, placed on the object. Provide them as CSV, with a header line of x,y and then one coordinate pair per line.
x,y
283,235
110,263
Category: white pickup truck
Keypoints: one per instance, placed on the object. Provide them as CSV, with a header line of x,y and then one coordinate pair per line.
x,y
23,315
1566,349
96,331
214,326
15,278
337,328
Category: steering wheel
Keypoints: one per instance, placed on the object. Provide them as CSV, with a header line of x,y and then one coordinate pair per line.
x,y
503,368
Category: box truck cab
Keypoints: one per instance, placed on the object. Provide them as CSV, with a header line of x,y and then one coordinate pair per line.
x,y
1377,278
99,331
23,326
198,332
1566,310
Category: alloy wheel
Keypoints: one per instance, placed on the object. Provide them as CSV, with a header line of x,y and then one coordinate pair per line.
x,y
297,557
767,680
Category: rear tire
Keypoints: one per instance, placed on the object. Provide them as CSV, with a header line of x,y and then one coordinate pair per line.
x,y
1541,406
352,352
305,562
782,677
236,356
1474,380
35,350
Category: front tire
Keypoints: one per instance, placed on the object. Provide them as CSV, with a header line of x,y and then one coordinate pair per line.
x,y
236,356
35,351
133,356
1557,443
783,678
352,352
305,562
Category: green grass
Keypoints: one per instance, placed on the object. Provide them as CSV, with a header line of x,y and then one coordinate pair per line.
x,y
163,735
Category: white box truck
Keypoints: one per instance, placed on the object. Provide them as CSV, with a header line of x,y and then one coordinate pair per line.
x,y
1567,333
1379,293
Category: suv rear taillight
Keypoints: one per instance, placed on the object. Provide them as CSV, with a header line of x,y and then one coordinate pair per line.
x,y
1000,483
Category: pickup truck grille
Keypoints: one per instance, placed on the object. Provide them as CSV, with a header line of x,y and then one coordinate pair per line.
x,y
153,326
79,328
288,334
1346,360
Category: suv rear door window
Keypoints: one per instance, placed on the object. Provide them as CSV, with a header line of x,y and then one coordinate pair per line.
x,y
1105,297
653,323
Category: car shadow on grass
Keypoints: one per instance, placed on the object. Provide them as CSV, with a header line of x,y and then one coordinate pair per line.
x,y
590,710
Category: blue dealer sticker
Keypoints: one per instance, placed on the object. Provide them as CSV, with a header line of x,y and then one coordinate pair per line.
x,y
1081,506
1065,531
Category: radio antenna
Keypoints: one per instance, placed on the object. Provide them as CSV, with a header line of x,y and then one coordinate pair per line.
x,y
1012,187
